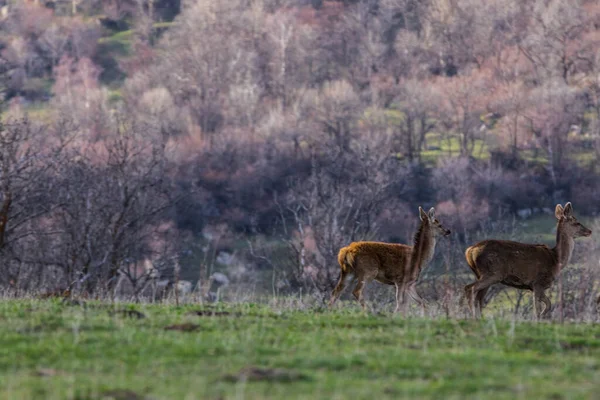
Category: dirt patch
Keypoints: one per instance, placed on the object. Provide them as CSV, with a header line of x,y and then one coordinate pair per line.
x,y
186,327
73,302
258,374
212,313
54,294
122,394
391,391
573,345
31,329
526,342
129,314
46,372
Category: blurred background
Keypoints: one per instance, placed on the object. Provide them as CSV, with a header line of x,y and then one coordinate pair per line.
x,y
147,144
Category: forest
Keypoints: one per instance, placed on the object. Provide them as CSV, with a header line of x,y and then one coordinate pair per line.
x,y
255,138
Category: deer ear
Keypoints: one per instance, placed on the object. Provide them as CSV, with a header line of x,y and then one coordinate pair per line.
x,y
422,214
431,213
559,211
568,211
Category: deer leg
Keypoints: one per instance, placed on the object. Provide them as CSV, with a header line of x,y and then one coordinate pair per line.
x,y
548,304
540,296
474,288
404,295
468,296
337,291
399,295
363,279
412,292
479,298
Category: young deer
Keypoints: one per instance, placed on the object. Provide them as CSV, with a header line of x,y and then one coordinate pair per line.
x,y
523,266
390,263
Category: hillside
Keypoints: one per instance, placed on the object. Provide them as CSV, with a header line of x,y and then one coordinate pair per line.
x,y
256,138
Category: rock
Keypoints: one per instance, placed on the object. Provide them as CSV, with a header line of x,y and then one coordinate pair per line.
x,y
219,279
225,258
524,213
184,287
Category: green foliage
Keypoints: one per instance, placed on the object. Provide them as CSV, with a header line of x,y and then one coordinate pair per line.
x,y
50,350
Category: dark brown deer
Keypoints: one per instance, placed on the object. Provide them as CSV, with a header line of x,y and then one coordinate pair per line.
x,y
523,266
389,263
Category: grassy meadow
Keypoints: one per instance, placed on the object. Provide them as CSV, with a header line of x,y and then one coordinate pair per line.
x,y
53,350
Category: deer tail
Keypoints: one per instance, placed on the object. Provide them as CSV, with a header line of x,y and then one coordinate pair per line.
x,y
471,255
346,259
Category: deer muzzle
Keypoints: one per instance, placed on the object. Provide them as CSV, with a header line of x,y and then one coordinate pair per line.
x,y
586,232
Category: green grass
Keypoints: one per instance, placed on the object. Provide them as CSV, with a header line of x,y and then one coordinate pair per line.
x,y
53,351
538,229
115,96
119,44
442,146
541,228
159,25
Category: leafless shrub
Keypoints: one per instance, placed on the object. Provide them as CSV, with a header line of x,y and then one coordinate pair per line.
x,y
324,213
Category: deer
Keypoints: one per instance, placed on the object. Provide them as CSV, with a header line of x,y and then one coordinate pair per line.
x,y
390,263
523,266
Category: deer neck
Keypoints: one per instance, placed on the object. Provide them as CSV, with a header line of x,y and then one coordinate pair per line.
x,y
564,248
422,251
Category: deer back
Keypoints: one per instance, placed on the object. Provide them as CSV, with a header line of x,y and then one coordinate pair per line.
x,y
518,264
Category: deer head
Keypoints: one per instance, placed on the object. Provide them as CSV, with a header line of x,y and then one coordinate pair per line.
x,y
432,222
568,224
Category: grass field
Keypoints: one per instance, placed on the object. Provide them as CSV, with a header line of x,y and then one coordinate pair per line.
x,y
49,350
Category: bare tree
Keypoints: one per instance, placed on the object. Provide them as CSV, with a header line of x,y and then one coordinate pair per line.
x,y
417,105
204,56
465,99
554,109
328,210
113,196
554,44
55,41
27,161
335,108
